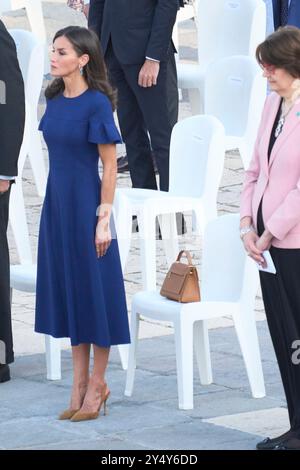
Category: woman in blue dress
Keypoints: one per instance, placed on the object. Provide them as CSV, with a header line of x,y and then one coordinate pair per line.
x,y
80,287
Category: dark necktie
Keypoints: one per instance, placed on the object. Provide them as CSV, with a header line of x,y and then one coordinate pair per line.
x,y
284,12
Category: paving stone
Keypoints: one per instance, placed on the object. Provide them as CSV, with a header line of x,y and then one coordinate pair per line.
x,y
275,421
195,435
99,444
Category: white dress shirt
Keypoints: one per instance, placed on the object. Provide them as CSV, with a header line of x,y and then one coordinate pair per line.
x,y
7,178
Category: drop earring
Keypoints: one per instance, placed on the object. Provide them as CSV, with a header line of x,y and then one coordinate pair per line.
x,y
81,70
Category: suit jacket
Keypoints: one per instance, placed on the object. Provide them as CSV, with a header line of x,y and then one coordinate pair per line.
x,y
137,28
277,181
12,105
294,13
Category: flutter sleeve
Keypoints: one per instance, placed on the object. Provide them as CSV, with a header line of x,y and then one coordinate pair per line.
x,y
102,127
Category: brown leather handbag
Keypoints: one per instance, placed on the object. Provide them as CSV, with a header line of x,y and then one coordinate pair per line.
x,y
182,282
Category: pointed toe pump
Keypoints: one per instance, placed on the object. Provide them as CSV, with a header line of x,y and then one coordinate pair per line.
x,y
85,416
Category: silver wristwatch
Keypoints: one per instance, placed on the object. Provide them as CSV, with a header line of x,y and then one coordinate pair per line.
x,y
245,230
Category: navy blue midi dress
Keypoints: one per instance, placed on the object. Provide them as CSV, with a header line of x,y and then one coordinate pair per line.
x,y
78,295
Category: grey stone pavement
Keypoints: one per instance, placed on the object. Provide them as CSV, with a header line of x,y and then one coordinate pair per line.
x,y
225,416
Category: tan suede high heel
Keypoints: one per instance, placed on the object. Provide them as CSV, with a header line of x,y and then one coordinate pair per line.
x,y
67,414
84,416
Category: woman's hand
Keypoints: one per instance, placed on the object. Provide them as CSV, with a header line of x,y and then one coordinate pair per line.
x,y
102,237
250,244
264,243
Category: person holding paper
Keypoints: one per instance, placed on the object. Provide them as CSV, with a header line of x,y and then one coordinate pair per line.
x,y
270,213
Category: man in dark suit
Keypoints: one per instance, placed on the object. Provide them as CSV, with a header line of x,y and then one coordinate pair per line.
x,y
136,38
286,12
12,116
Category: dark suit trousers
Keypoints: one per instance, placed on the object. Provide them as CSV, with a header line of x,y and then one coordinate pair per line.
x,y
144,112
5,313
281,296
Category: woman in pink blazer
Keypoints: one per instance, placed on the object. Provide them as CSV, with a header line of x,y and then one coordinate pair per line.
x,y
270,214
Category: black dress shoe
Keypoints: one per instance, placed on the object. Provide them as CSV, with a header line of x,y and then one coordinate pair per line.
x,y
4,373
276,442
289,444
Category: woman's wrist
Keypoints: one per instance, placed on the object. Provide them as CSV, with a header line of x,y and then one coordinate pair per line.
x,y
246,222
245,230
104,213
267,235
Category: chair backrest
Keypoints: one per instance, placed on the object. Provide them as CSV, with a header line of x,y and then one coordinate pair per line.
x,y
235,92
17,212
229,27
31,59
186,13
197,154
7,5
228,275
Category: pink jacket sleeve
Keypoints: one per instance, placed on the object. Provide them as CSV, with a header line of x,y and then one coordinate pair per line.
x,y
289,211
250,179
252,173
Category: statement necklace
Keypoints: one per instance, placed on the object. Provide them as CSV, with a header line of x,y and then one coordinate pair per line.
x,y
283,115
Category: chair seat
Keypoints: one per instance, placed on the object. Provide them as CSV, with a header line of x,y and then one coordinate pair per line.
x,y
151,303
23,277
161,199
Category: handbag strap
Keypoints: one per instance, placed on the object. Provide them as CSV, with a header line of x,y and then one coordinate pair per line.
x,y
187,254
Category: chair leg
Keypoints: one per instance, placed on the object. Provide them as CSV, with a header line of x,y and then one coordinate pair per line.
x,y
202,351
123,222
17,217
168,228
198,221
53,358
196,101
245,155
184,360
134,332
36,158
124,351
245,326
146,221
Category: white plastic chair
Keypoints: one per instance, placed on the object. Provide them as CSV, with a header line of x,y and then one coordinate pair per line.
x,y
196,166
229,286
31,55
36,20
225,28
235,92
23,275
183,14
23,278
17,213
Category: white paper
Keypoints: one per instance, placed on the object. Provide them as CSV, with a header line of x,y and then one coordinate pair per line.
x,y
270,268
